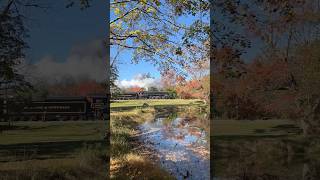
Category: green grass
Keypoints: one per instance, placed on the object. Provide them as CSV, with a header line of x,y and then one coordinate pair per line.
x,y
55,131
89,163
155,102
254,128
53,150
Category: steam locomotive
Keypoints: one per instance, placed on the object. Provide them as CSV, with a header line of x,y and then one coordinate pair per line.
x,y
142,95
56,108
91,107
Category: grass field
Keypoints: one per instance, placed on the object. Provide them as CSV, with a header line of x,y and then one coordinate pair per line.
x,y
55,131
53,150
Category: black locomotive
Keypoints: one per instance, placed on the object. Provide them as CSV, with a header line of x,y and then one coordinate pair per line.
x,y
56,108
91,107
142,95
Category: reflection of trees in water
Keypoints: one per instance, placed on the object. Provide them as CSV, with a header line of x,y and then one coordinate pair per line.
x,y
178,122
311,171
194,115
267,159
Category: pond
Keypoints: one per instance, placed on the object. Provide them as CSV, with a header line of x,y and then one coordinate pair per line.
x,y
181,142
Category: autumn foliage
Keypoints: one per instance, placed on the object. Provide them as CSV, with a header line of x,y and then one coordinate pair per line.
x,y
135,89
193,89
186,88
81,88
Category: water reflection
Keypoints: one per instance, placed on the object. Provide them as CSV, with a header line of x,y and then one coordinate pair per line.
x,y
181,142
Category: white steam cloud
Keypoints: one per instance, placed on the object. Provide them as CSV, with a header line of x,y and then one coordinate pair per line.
x,y
85,61
140,80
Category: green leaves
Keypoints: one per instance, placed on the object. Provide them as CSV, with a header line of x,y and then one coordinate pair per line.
x,y
179,51
158,3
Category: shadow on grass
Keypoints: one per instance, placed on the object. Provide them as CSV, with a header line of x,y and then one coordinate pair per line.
x,y
289,128
26,127
89,162
13,127
44,150
164,112
246,137
281,129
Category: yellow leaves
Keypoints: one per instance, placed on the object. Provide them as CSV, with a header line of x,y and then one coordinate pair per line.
x,y
143,2
117,11
116,25
150,10
135,32
158,49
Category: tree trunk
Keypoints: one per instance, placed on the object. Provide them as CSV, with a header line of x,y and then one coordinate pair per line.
x,y
311,121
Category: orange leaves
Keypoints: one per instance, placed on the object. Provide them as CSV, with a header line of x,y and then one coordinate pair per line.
x,y
257,93
270,75
135,89
180,79
194,89
82,88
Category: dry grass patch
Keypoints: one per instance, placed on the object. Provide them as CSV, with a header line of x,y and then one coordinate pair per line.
x,y
133,166
125,163
89,163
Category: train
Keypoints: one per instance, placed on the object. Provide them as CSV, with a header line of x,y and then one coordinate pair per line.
x,y
56,108
142,95
53,108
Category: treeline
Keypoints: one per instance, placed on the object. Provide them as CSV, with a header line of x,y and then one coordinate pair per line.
x,y
181,87
42,90
270,88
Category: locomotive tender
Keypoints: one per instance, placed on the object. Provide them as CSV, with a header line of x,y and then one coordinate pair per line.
x,y
142,95
91,107
57,108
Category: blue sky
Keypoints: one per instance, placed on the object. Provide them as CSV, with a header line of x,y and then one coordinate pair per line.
x,y
66,42
128,70
56,30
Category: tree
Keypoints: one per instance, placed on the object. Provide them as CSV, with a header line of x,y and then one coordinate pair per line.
x,y
13,45
147,28
307,73
12,51
278,28
168,79
135,89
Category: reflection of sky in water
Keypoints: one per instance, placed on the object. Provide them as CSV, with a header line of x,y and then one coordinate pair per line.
x,y
182,148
